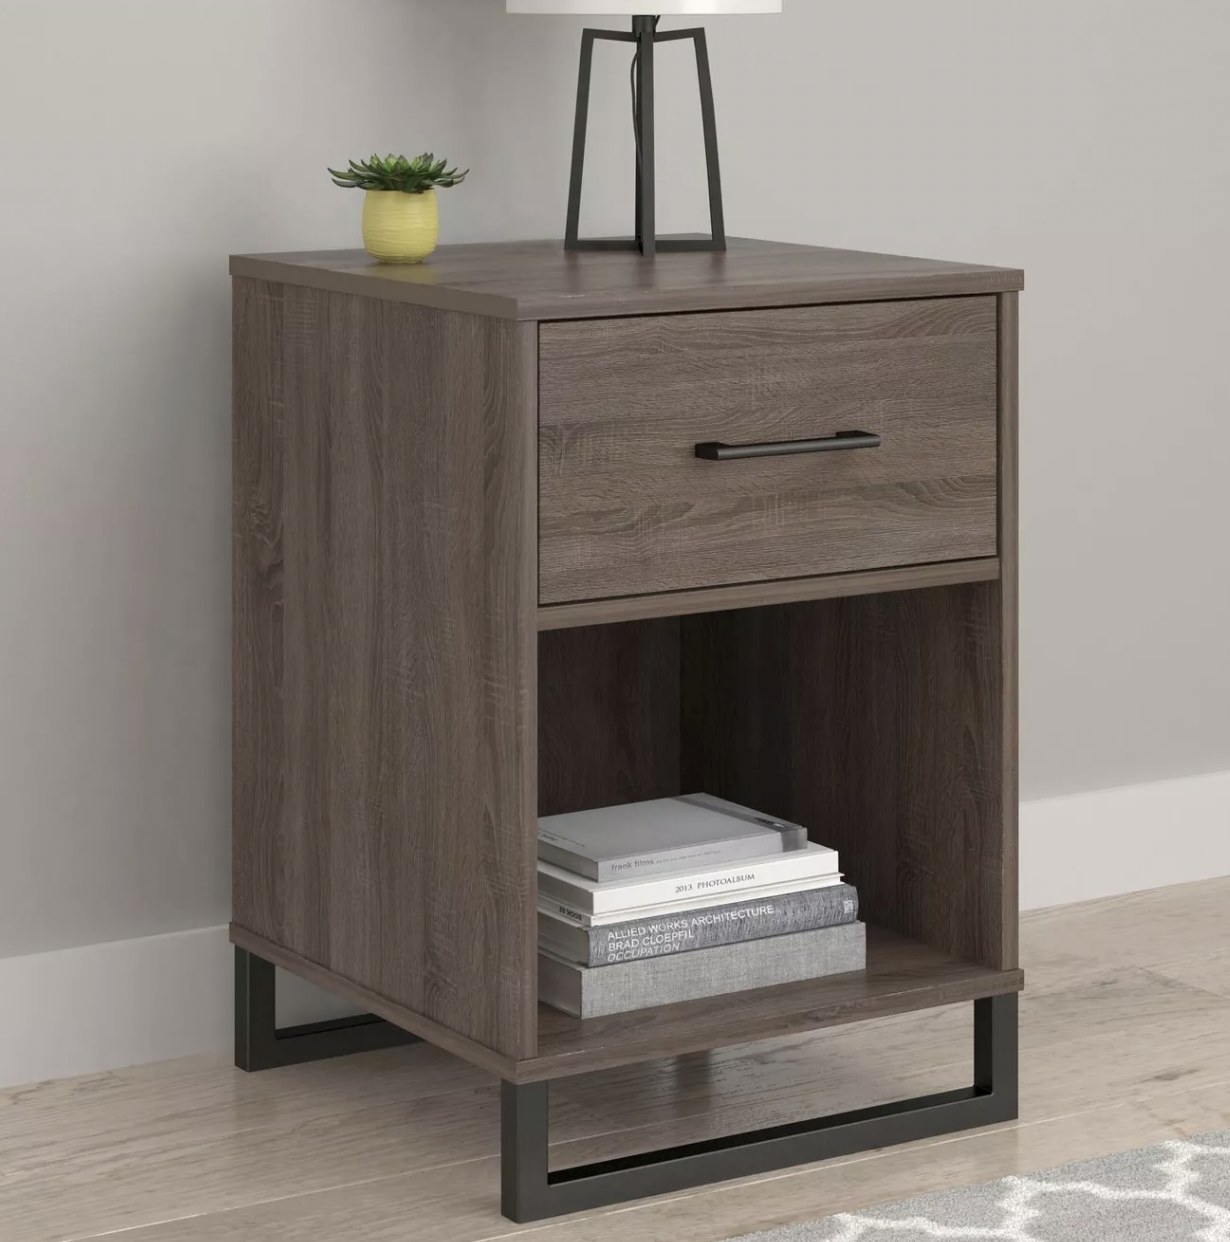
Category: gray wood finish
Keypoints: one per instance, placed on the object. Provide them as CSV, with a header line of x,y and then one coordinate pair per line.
x,y
406,703
626,508
384,651
608,716
538,280
876,721
902,976
888,724
759,594
1008,618
366,999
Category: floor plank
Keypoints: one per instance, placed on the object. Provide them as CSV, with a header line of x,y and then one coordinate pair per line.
x,y
1140,929
1125,1039
142,1177
50,1123
461,1205
1129,1035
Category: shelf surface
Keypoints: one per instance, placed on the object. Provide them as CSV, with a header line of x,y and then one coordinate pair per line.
x,y
765,594
539,280
901,976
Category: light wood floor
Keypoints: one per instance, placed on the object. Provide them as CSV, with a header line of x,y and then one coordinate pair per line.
x,y
1125,1040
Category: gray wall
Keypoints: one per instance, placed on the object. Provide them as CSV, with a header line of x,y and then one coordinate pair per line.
x,y
143,140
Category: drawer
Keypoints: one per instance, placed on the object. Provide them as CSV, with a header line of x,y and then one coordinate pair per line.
x,y
626,507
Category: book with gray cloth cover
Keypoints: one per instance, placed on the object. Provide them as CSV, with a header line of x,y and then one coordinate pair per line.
x,y
689,930
662,835
594,992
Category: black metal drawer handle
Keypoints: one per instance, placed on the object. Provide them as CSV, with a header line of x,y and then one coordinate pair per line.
x,y
712,450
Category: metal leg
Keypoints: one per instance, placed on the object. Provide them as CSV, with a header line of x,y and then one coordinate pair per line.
x,y
580,133
646,154
525,1183
996,1066
260,1045
717,213
581,128
646,37
532,1192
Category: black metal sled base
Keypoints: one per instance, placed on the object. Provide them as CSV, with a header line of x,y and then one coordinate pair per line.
x,y
646,36
261,1045
531,1192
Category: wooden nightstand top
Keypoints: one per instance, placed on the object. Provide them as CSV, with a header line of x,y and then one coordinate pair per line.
x,y
539,280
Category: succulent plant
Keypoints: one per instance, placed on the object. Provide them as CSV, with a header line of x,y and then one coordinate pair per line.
x,y
396,172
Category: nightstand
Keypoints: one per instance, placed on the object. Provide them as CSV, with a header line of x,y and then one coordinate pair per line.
x,y
520,532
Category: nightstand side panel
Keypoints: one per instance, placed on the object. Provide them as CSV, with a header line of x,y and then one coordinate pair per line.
x,y
385,650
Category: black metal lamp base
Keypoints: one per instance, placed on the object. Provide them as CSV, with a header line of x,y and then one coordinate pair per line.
x,y
646,36
531,1192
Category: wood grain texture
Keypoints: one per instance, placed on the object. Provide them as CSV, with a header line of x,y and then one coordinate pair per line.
x,y
902,976
878,722
729,1090
762,594
608,724
459,1201
888,723
626,508
538,280
1009,609
366,999
385,651
841,655
259,852
1114,1057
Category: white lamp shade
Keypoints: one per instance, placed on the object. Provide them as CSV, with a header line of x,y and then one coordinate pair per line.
x,y
653,8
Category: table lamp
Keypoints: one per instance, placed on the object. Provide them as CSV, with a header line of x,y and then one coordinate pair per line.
x,y
645,35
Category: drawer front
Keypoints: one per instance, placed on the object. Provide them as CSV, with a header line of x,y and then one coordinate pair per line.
x,y
627,508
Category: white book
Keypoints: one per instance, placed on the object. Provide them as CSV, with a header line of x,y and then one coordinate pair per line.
x,y
713,885
638,839
578,918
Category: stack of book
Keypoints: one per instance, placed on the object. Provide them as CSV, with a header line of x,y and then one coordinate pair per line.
x,y
681,898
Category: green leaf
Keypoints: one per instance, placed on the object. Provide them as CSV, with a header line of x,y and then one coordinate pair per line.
x,y
410,175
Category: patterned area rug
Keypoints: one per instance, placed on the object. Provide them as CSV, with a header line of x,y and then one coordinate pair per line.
x,y
1180,1190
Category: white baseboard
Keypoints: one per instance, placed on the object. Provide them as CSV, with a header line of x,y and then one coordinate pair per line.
x,y
101,1007
1123,840
105,1006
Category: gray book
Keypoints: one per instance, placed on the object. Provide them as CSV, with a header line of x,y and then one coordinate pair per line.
x,y
594,992
640,839
688,930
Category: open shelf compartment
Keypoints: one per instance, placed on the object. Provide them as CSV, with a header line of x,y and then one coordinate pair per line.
x,y
902,976
875,720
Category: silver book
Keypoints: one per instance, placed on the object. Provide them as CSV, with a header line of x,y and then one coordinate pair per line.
x,y
596,991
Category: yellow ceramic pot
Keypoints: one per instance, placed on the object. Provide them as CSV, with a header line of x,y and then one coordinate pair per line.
x,y
400,228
